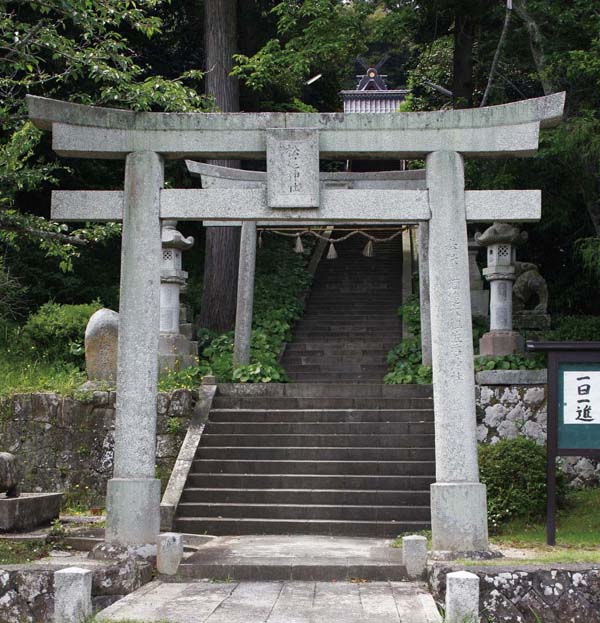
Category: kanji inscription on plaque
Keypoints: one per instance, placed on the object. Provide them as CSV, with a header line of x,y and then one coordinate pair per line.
x,y
292,168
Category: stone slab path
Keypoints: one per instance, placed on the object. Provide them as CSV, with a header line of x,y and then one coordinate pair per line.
x,y
276,602
294,557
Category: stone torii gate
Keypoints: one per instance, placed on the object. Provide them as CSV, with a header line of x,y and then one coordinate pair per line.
x,y
292,144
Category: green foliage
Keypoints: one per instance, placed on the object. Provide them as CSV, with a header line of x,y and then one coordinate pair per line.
x,y
87,52
514,471
56,331
509,362
259,373
12,295
404,360
405,364
281,279
175,426
177,379
576,329
16,553
22,373
410,312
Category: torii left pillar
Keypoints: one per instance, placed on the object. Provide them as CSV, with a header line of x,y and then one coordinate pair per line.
x,y
133,494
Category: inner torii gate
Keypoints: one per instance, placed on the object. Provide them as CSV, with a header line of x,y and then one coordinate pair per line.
x,y
292,144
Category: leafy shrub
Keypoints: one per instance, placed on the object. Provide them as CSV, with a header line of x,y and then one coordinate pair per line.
x,y
281,279
410,312
509,362
514,471
258,373
56,331
576,329
405,364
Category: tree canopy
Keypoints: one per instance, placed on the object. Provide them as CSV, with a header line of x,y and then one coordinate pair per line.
x,y
150,56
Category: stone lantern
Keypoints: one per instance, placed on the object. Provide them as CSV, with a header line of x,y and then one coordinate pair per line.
x,y
176,349
501,240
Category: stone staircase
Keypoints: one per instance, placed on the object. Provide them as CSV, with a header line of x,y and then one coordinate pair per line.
x,y
351,320
334,459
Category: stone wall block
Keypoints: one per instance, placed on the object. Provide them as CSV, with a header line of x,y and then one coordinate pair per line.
x,y
22,406
162,403
45,407
181,403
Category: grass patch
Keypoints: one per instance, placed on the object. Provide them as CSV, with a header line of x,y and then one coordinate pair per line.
x,y
577,536
577,526
20,552
21,375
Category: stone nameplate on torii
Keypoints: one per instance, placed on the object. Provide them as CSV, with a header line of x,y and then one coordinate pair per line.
x,y
292,168
444,139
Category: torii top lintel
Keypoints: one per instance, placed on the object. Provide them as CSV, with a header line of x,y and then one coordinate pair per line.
x,y
91,132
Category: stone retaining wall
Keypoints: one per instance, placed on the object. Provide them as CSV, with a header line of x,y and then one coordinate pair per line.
x,y
66,444
512,403
28,590
530,594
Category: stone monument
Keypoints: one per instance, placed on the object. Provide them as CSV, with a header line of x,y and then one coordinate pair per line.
x,y
501,240
101,338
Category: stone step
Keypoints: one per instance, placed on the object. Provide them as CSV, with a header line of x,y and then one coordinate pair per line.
x,y
319,415
348,402
313,335
317,453
333,346
308,481
225,525
307,496
316,390
334,361
311,440
359,468
377,370
318,428
303,511
336,377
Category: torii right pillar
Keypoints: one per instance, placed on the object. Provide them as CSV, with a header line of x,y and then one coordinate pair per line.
x,y
458,499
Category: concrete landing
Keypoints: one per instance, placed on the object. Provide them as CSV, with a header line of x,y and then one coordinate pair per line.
x,y
295,557
276,602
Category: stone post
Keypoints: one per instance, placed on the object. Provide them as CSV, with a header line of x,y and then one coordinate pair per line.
x,y
414,555
423,245
169,552
458,499
133,494
72,595
245,295
406,276
462,597
500,240
175,350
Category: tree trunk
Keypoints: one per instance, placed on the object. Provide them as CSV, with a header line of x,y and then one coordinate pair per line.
x,y
536,43
462,87
501,41
219,293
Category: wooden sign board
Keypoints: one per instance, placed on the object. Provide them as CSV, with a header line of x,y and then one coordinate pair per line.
x,y
573,409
